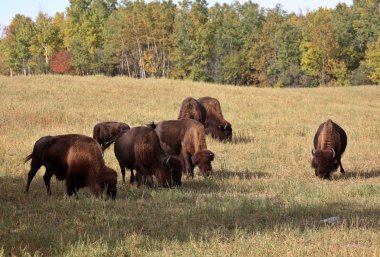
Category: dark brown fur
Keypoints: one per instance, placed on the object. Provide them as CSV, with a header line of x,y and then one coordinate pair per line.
x,y
186,138
139,148
215,124
76,158
192,109
329,140
106,132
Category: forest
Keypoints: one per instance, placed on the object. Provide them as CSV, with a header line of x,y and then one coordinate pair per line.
x,y
239,44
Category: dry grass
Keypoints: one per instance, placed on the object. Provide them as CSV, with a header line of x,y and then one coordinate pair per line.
x,y
263,199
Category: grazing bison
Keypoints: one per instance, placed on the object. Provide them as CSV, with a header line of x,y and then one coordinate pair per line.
x,y
139,148
215,124
186,138
330,142
192,109
105,132
76,158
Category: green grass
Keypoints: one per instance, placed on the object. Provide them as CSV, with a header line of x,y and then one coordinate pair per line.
x,y
262,200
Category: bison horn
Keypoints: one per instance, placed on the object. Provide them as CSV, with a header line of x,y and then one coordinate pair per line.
x,y
167,161
333,152
225,126
313,151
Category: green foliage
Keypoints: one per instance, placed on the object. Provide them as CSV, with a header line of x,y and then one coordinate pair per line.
x,y
320,47
191,41
361,75
17,44
373,60
46,42
240,44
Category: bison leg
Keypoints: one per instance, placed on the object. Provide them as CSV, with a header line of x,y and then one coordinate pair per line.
x,y
189,167
96,189
47,178
149,180
35,166
341,167
139,178
132,178
142,175
327,176
122,170
71,187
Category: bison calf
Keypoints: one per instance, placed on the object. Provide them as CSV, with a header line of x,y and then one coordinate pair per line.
x,y
186,138
330,142
76,158
139,148
105,132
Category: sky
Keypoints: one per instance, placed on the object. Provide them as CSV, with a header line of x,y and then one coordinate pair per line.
x,y
31,8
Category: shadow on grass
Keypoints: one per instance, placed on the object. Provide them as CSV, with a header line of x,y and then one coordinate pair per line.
x,y
192,212
242,137
359,174
242,175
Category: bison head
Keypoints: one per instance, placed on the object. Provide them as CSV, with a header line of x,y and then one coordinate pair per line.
x,y
203,160
171,173
323,162
222,132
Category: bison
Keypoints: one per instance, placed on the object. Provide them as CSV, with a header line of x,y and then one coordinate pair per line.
x,y
105,132
186,138
215,124
76,158
330,142
139,148
192,109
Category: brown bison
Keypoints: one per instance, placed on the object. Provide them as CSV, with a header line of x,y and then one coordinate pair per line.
x,y
76,158
186,138
192,109
215,124
330,142
105,132
139,148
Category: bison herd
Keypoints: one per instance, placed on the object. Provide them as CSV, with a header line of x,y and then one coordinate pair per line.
x,y
165,150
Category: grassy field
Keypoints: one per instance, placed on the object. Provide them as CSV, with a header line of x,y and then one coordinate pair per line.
x,y
262,200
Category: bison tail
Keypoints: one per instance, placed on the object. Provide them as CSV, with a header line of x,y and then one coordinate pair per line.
x,y
27,158
151,125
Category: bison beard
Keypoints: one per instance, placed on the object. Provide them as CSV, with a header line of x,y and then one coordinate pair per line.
x,y
330,142
76,158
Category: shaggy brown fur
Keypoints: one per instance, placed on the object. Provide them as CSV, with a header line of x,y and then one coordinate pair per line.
x,y
186,138
139,148
76,158
192,109
106,132
330,142
215,123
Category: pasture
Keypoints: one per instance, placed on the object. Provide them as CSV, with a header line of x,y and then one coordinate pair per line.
x,y
263,198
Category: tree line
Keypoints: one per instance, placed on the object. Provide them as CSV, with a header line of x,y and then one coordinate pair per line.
x,y
240,44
